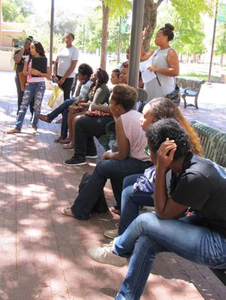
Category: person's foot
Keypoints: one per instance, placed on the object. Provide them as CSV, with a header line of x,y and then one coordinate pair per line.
x,y
44,118
114,210
68,146
65,141
57,140
67,212
104,255
75,161
34,129
12,131
111,234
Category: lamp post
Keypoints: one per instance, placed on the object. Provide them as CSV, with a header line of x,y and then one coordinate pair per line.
x,y
213,42
51,35
135,42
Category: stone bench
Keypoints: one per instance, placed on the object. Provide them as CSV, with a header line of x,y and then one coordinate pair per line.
x,y
189,88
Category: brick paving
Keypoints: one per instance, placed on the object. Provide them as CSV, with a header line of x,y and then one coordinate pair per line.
x,y
43,254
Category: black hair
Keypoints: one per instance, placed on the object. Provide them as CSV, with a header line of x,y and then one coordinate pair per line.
x,y
117,71
168,31
39,48
71,34
102,77
85,69
30,38
159,131
124,95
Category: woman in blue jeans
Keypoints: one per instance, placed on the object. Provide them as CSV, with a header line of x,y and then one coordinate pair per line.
x,y
129,159
35,88
195,182
132,199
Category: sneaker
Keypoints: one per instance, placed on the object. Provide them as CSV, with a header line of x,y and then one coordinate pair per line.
x,y
104,255
75,161
34,129
111,234
91,156
44,118
12,131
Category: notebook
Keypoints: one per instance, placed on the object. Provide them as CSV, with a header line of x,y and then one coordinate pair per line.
x,y
40,64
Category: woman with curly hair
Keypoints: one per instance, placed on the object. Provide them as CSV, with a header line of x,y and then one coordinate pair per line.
x,y
98,95
137,189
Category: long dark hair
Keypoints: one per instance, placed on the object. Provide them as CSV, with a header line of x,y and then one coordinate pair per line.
x,y
39,48
102,78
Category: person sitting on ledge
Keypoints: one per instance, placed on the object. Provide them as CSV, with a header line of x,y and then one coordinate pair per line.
x,y
196,182
84,73
129,159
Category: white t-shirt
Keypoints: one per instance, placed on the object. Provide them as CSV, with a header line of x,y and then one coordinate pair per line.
x,y
65,57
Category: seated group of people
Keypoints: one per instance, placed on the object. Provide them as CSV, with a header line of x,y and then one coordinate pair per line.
x,y
174,179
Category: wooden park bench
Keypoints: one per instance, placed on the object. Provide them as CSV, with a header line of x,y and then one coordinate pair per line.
x,y
189,88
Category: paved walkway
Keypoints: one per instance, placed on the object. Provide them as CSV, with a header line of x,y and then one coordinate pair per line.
x,y
43,254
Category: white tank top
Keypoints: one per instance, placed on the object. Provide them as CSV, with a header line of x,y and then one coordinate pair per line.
x,y
135,134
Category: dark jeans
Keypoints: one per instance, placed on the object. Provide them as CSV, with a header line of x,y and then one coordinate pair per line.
x,y
66,87
20,96
131,201
85,129
116,171
62,109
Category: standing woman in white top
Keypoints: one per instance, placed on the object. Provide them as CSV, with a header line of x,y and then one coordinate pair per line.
x,y
64,67
164,63
35,87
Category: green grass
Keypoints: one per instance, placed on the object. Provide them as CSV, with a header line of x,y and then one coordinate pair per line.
x,y
195,75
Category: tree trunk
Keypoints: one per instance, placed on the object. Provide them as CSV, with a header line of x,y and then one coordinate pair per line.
x,y
150,19
105,11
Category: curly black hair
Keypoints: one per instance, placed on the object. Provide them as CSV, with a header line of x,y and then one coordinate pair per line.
x,y
85,69
159,131
124,95
168,31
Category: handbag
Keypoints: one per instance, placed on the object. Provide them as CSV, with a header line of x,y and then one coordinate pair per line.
x,y
22,80
175,95
57,97
87,207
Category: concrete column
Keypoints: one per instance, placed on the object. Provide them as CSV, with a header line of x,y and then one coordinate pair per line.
x,y
1,21
51,36
135,42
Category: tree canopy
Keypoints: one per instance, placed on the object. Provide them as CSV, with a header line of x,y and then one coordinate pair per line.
x,y
16,10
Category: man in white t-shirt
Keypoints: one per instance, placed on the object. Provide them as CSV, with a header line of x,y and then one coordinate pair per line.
x,y
64,67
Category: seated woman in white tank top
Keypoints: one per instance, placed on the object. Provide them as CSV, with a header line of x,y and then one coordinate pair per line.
x,y
129,159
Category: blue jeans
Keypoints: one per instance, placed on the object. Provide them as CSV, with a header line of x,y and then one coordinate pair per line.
x,y
147,236
62,109
34,90
130,202
116,171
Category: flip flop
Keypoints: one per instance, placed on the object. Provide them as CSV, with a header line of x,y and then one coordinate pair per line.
x,y
67,212
68,146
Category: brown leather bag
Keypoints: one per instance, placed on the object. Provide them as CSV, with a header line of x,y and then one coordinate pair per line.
x,y
23,80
